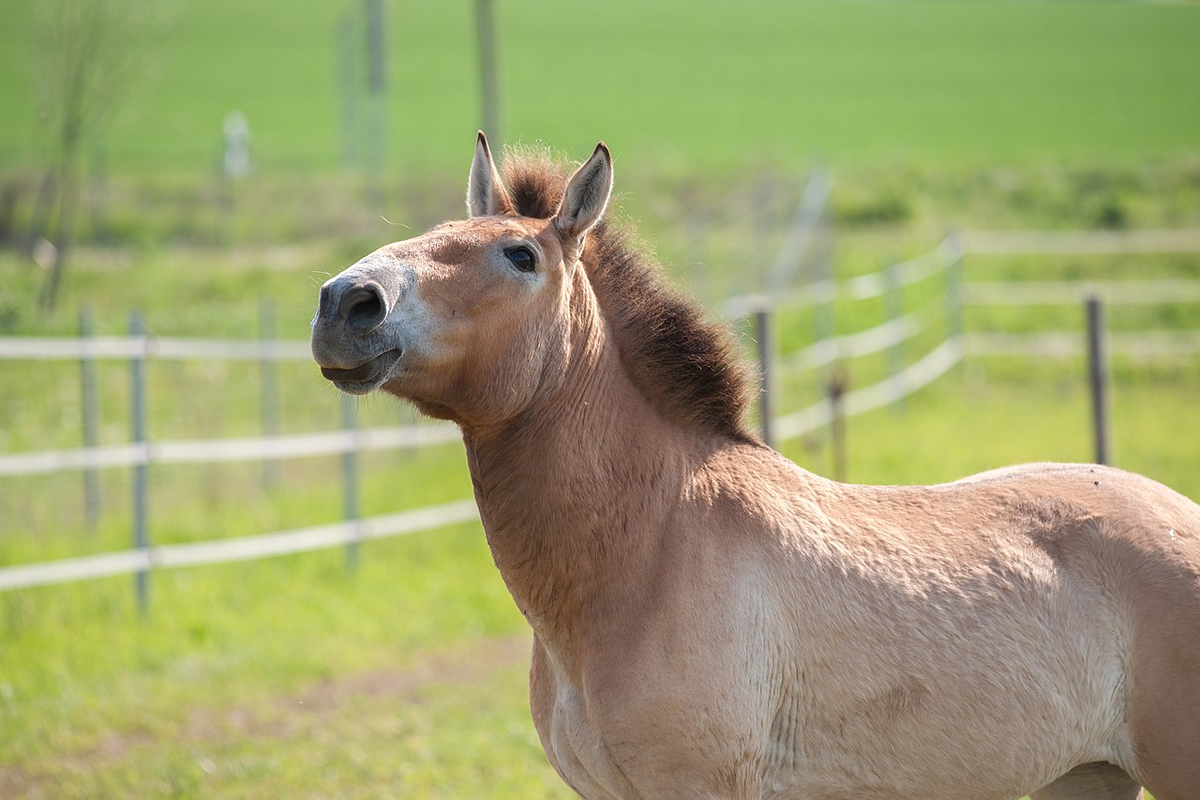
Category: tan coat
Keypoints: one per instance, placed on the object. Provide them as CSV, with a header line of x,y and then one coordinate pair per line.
x,y
709,619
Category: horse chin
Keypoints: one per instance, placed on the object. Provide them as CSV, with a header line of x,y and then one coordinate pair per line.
x,y
429,408
355,388
366,377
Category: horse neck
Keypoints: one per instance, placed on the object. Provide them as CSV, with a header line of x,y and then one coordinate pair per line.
x,y
573,493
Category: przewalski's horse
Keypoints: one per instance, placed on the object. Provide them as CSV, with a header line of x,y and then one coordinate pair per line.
x,y
711,620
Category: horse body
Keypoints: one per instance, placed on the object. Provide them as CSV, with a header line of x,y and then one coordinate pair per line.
x,y
712,621
831,641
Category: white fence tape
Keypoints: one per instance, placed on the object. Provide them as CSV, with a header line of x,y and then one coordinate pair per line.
x,y
905,273
1048,293
1065,344
918,375
150,347
242,548
853,345
1009,243
260,448
861,287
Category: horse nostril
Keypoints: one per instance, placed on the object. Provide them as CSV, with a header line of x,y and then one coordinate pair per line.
x,y
326,300
363,306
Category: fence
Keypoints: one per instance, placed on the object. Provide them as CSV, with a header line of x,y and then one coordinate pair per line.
x,y
141,453
947,261
945,311
1065,344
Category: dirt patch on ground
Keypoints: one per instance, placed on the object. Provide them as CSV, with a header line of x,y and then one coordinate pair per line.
x,y
463,665
286,714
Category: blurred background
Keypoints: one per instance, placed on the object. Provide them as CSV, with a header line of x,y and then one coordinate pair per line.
x,y
901,208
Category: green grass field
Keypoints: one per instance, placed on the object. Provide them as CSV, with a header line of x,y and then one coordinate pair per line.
x,y
406,678
670,85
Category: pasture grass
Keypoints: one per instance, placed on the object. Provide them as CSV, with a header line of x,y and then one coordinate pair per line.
x,y
760,82
98,681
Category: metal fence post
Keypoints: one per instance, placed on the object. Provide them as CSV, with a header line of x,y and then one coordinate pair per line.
x,y
138,424
376,44
348,77
485,29
1098,374
823,310
766,354
270,386
87,383
838,383
762,224
894,308
350,479
954,290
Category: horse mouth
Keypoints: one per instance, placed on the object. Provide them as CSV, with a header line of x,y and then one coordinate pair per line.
x,y
365,377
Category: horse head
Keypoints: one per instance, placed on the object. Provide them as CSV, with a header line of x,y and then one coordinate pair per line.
x,y
469,320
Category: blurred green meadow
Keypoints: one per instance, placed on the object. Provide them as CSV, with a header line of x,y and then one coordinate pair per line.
x,y
693,86
405,676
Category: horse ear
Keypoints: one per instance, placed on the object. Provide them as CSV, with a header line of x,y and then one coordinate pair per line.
x,y
485,193
586,197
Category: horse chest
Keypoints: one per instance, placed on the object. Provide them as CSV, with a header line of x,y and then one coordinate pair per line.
x,y
622,740
576,748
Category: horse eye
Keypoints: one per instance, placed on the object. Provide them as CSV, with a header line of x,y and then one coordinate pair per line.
x,y
522,258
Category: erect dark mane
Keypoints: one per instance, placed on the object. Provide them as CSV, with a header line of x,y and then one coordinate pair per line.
x,y
683,364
